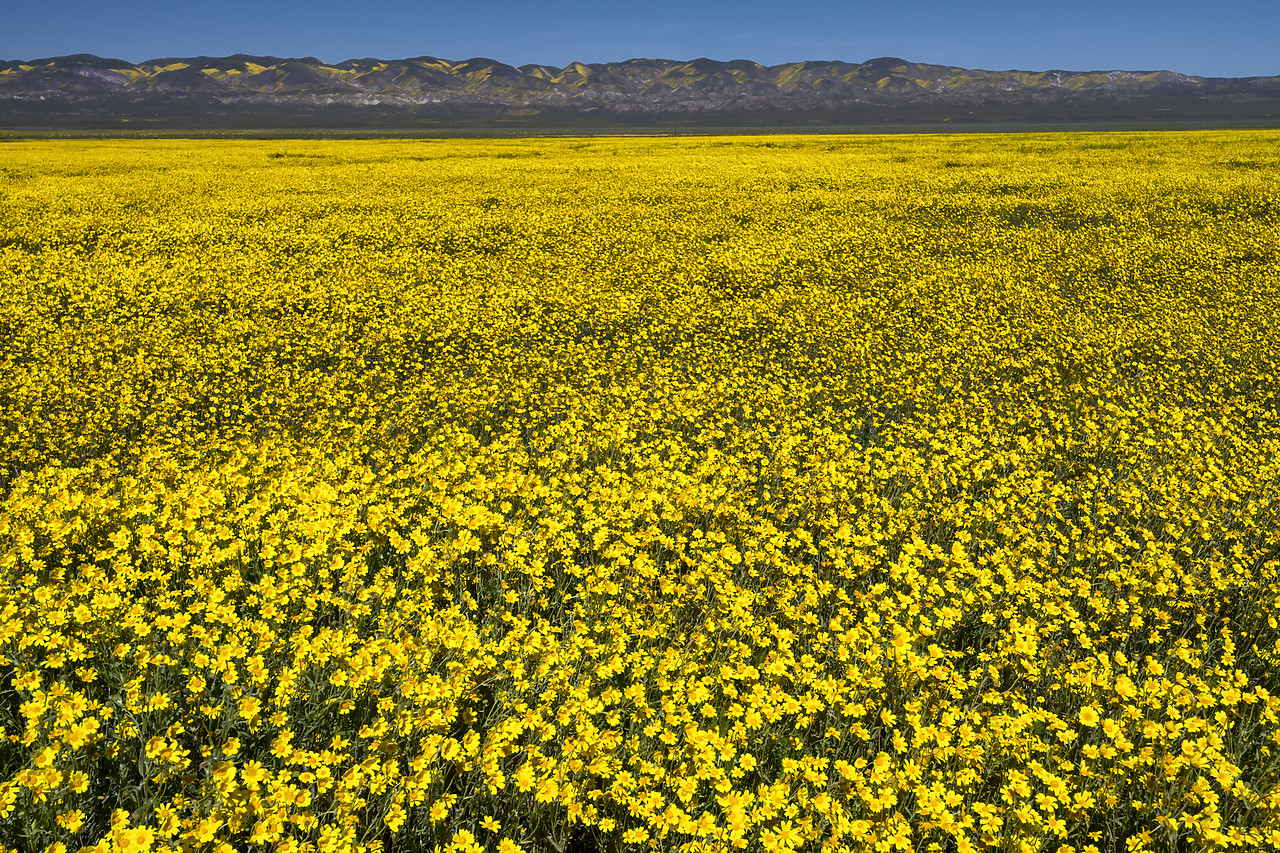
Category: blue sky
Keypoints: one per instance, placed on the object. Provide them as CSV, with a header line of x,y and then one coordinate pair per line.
x,y
1238,38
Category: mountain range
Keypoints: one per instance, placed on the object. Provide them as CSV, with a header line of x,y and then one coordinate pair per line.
x,y
252,91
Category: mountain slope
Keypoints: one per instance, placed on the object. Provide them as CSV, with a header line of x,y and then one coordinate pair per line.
x,y
210,89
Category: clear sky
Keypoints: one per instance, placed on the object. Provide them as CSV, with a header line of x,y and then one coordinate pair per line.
x,y
1235,38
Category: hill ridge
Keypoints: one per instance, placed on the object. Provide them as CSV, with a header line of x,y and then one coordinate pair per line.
x,y
85,86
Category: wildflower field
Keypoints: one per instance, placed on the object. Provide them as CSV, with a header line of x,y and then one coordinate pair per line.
x,y
897,493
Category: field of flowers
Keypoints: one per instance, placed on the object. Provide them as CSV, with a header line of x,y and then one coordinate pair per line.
x,y
914,493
